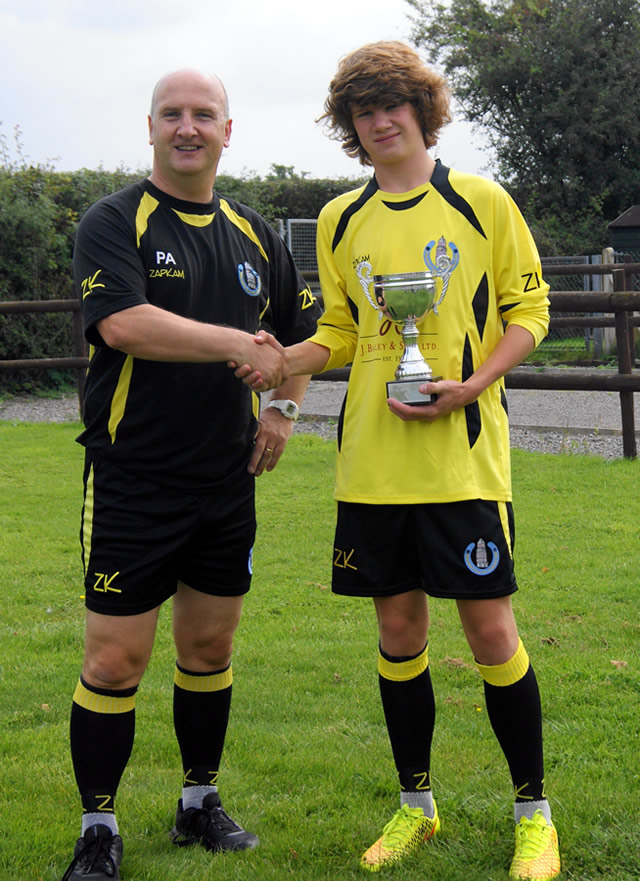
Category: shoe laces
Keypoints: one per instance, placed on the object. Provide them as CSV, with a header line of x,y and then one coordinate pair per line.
x,y
210,814
532,836
95,856
401,825
221,820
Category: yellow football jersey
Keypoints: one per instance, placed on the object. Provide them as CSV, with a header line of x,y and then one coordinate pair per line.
x,y
470,235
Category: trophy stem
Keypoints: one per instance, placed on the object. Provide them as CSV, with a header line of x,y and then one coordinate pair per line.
x,y
407,297
412,365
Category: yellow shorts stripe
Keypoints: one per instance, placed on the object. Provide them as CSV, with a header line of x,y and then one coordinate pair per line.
x,y
87,520
209,682
508,673
504,519
102,703
402,671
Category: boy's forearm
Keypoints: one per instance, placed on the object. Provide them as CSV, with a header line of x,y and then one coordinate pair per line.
x,y
514,346
306,358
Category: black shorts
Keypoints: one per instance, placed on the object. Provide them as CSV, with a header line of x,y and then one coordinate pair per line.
x,y
461,550
139,539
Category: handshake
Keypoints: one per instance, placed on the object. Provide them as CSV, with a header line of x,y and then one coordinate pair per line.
x,y
265,363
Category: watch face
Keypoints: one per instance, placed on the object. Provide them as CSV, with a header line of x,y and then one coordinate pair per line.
x,y
287,408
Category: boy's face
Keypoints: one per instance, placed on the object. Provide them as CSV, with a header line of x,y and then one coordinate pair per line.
x,y
389,133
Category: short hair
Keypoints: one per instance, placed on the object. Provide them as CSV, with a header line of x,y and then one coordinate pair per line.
x,y
386,72
212,77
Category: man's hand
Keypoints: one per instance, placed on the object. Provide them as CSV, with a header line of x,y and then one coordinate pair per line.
x,y
265,366
451,396
274,430
252,373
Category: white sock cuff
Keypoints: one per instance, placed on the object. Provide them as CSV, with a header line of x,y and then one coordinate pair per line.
x,y
106,819
528,808
193,796
422,800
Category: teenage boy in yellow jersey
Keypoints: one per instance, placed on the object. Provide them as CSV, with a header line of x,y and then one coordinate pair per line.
x,y
424,492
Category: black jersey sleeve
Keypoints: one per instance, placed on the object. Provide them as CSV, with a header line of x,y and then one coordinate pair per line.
x,y
107,270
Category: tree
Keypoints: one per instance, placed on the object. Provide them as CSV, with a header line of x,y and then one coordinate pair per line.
x,y
555,85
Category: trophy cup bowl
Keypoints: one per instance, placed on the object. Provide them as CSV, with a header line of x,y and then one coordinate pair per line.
x,y
406,297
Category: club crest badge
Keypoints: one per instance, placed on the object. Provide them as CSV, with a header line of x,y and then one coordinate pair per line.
x,y
442,264
439,258
249,279
364,272
479,562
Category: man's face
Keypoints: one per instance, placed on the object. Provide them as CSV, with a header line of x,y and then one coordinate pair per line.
x,y
188,127
389,133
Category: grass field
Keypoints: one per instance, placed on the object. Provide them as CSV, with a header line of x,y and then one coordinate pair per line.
x,y
307,764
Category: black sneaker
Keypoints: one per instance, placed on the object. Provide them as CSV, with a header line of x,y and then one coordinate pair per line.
x,y
211,827
96,856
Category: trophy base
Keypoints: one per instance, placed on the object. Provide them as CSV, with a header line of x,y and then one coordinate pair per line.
x,y
406,391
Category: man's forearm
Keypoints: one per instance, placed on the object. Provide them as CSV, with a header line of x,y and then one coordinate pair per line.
x,y
293,389
154,334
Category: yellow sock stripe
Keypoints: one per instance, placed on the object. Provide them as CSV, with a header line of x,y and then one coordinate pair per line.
x,y
402,671
210,682
102,703
508,673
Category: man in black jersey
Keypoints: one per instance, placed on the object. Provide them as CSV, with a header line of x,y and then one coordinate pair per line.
x,y
424,492
175,280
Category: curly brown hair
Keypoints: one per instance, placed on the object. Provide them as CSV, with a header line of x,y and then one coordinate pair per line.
x,y
387,72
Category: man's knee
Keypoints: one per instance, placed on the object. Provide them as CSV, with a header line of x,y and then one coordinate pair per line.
x,y
207,652
113,667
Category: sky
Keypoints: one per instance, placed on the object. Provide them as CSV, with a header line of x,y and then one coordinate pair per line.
x,y
77,77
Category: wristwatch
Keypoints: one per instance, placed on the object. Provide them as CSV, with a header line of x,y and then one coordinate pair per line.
x,y
289,409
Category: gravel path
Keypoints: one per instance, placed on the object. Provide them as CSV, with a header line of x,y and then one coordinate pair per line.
x,y
573,423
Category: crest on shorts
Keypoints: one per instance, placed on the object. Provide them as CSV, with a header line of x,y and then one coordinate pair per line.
x,y
249,279
476,557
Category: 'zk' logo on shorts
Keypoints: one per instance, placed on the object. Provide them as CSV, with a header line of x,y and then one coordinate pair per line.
x,y
342,559
104,582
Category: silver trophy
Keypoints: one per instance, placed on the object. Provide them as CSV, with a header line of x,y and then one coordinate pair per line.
x,y
406,297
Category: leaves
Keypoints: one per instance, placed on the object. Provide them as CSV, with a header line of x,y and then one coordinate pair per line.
x,y
543,79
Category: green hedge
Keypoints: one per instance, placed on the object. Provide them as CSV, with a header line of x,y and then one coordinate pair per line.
x,y
39,212
40,208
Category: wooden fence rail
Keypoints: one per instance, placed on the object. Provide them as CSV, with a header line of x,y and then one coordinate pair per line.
x,y
621,304
79,361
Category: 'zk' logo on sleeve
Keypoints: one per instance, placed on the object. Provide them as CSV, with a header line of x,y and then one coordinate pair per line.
x,y
90,283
